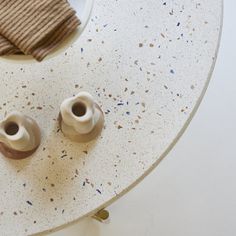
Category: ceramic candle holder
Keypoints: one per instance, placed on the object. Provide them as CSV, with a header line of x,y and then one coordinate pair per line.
x,y
81,119
19,136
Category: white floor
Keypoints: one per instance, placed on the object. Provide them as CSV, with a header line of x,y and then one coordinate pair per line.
x,y
193,191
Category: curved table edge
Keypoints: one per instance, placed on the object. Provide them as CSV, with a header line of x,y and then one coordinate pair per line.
x,y
181,132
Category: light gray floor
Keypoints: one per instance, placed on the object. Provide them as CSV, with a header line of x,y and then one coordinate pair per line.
x,y
193,191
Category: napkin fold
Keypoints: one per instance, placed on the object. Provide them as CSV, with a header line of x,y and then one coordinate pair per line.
x,y
6,47
35,27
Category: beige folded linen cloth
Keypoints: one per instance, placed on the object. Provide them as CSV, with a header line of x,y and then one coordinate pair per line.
x,y
6,47
35,27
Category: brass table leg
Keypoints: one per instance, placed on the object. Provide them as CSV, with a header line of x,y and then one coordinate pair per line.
x,y
101,216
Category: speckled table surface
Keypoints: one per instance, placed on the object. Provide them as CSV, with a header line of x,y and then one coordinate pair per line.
x,y
148,64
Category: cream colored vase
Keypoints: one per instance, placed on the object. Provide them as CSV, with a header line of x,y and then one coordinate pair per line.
x,y
19,136
81,118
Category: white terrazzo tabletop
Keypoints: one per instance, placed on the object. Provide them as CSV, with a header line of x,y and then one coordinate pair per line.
x,y
148,64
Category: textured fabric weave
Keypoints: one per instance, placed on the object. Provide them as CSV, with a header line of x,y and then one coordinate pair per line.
x,y
6,47
35,27
56,38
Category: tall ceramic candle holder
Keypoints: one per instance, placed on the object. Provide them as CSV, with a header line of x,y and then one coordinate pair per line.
x,y
19,136
81,119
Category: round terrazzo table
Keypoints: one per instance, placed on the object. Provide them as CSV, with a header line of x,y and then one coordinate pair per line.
x,y
148,64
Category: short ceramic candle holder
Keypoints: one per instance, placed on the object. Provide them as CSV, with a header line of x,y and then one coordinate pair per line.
x,y
81,119
19,136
